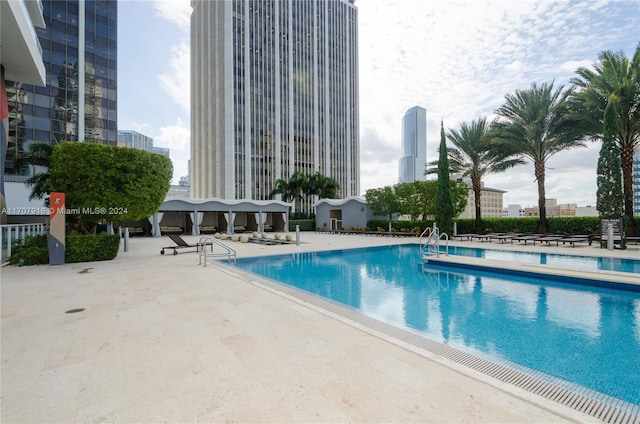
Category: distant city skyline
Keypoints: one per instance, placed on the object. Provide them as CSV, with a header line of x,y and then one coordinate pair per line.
x,y
456,59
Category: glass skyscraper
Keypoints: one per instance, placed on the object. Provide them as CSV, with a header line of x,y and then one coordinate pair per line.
x,y
79,101
413,163
274,90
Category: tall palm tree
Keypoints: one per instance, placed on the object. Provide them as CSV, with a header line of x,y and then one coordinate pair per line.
x,y
474,157
39,158
617,78
536,123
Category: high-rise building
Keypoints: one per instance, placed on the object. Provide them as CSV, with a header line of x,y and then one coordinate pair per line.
x,y
274,90
20,58
413,163
135,140
636,183
78,102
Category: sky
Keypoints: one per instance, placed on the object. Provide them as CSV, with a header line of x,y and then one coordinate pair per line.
x,y
456,58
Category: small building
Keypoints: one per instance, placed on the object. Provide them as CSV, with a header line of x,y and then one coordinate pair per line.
x,y
343,214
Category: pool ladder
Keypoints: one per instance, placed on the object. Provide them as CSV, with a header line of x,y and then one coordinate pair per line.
x,y
217,250
430,243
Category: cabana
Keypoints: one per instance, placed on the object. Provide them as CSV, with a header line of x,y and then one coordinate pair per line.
x,y
339,214
208,216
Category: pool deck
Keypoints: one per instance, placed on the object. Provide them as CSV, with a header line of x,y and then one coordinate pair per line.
x,y
162,339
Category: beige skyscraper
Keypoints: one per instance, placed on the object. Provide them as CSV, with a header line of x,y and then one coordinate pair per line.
x,y
274,90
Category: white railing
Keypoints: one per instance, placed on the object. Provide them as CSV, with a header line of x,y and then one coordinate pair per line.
x,y
10,233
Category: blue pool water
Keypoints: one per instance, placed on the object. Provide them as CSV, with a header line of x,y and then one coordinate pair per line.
x,y
572,261
587,336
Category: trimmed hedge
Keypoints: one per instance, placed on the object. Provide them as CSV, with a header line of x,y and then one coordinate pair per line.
x,y
305,224
557,225
78,248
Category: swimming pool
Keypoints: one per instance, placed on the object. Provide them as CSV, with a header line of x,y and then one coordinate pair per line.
x,y
586,336
553,259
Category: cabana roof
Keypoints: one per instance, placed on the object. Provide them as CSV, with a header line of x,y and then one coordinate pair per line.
x,y
224,205
340,202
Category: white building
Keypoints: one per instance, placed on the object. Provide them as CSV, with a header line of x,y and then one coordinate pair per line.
x,y
274,90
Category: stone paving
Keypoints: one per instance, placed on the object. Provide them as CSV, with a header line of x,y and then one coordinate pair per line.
x,y
162,339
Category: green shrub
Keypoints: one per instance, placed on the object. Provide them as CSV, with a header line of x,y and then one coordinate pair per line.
x,y
305,224
32,250
91,247
78,248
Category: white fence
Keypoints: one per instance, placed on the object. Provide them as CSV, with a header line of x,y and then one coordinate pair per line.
x,y
12,232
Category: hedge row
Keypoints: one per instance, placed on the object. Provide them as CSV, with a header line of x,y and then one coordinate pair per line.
x,y
557,225
78,248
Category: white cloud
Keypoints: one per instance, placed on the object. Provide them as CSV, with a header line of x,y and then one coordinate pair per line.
x,y
177,139
175,80
177,12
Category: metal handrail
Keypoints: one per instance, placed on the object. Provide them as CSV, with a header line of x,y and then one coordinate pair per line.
x,y
431,246
204,242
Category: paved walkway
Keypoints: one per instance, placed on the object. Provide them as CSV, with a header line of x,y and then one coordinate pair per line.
x,y
162,339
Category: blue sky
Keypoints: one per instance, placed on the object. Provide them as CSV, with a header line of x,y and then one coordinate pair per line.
x,y
458,59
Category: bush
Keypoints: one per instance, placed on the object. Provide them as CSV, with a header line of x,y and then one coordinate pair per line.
x,y
305,224
78,248
91,247
32,250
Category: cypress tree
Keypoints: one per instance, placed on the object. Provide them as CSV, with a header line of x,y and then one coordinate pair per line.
x,y
610,196
444,203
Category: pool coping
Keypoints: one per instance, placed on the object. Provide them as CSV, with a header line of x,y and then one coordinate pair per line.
x,y
529,385
595,278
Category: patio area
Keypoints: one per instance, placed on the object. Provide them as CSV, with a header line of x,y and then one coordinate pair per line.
x,y
159,338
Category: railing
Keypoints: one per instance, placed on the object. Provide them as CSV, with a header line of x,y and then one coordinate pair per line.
x,y
431,244
10,233
218,250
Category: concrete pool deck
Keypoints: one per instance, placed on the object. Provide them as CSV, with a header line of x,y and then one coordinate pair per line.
x,y
162,339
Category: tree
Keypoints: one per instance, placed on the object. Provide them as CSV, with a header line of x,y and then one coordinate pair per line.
x,y
322,186
474,157
613,78
383,201
108,183
292,189
444,203
610,198
39,158
536,123
419,197
281,187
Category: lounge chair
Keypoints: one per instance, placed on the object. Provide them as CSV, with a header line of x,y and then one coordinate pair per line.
x,y
180,244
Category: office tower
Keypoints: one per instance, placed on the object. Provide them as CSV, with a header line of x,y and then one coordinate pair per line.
x,y
135,140
20,58
274,90
77,103
413,163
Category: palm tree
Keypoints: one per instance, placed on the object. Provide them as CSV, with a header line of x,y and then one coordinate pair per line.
x,y
281,187
291,189
613,77
473,157
536,123
39,158
323,187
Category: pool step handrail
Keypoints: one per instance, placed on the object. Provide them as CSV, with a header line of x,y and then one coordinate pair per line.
x,y
223,251
430,245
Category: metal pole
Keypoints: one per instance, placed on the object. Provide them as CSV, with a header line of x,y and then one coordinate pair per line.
x,y
126,239
610,236
297,235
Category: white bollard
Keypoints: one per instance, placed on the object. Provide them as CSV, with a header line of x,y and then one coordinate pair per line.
x,y
609,236
297,235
